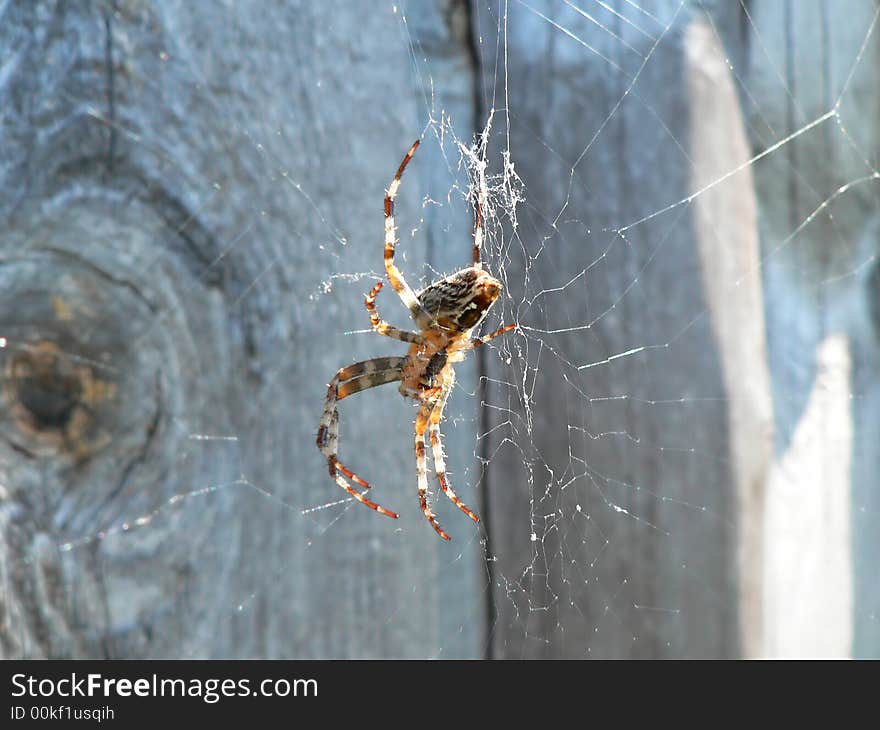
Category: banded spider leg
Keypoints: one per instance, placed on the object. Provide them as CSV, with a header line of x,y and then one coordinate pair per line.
x,y
348,381
445,314
428,419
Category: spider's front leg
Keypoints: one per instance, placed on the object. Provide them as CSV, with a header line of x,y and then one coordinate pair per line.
x,y
403,289
381,326
348,381
480,341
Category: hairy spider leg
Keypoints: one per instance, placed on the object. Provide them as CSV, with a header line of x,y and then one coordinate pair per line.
x,y
480,341
381,326
404,290
348,381
330,436
422,421
437,449
355,385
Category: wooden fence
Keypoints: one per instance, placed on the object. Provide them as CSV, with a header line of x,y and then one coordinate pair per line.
x,y
675,456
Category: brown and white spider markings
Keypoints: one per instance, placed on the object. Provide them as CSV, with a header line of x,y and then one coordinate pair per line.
x,y
445,313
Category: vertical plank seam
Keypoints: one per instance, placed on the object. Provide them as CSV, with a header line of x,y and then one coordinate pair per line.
x,y
479,111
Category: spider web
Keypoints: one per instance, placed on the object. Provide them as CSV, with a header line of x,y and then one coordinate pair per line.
x,y
630,470
607,441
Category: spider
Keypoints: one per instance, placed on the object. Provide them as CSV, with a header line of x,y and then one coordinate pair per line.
x,y
445,313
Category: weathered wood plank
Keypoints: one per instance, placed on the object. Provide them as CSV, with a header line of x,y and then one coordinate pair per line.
x,y
726,228
813,75
619,471
192,211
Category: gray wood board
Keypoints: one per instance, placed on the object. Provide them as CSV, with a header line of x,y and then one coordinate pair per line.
x,y
625,491
192,213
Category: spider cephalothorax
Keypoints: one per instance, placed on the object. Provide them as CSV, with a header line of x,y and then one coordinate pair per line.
x,y
445,313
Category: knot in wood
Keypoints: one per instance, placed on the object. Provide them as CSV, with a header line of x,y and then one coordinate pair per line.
x,y
52,397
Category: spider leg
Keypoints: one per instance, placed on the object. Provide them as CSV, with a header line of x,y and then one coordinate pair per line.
x,y
439,463
381,326
480,341
478,234
422,420
404,290
348,381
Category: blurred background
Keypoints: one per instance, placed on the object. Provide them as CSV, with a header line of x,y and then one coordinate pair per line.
x,y
677,453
